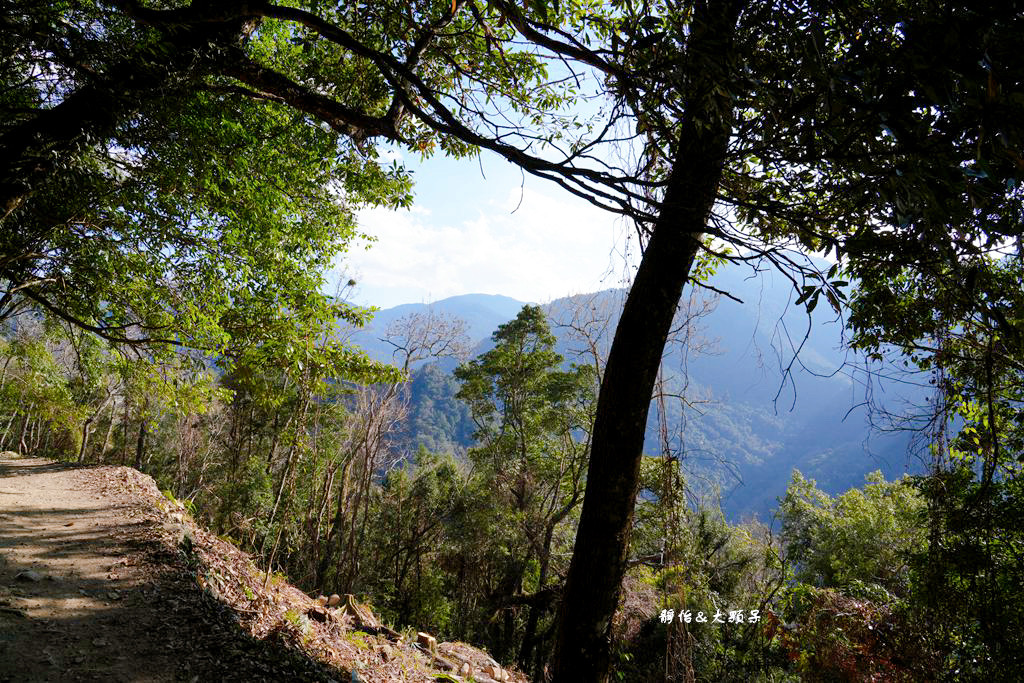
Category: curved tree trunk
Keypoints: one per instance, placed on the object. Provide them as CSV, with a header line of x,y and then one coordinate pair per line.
x,y
582,649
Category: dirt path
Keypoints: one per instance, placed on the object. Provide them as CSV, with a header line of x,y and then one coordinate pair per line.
x,y
74,600
91,587
102,578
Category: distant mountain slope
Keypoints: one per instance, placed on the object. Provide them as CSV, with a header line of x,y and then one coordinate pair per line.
x,y
756,422
763,420
482,313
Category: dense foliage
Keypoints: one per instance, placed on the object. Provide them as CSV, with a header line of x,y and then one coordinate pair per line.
x,y
189,219
327,490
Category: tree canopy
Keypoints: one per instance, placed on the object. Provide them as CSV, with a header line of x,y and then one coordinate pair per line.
x,y
174,215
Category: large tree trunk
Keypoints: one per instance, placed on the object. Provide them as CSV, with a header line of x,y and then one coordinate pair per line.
x,y
582,649
32,150
140,444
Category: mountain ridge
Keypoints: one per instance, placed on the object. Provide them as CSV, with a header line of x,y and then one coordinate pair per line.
x,y
780,394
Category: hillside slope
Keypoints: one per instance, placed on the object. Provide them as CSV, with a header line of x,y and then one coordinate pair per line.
x,y
103,578
773,391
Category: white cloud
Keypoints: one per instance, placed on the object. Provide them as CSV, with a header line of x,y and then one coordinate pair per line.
x,y
551,246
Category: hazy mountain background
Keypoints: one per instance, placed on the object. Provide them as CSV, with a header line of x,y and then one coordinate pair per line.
x,y
750,422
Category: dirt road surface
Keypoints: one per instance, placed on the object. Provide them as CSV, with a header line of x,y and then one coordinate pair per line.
x,y
92,588
103,578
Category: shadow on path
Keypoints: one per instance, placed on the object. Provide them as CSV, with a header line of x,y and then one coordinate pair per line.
x,y
93,588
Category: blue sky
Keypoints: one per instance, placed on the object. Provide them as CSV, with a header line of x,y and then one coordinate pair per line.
x,y
495,233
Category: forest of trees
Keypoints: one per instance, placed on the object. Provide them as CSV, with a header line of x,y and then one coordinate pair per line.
x,y
176,178
325,488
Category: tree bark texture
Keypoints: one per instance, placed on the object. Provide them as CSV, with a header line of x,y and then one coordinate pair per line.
x,y
582,651
140,444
